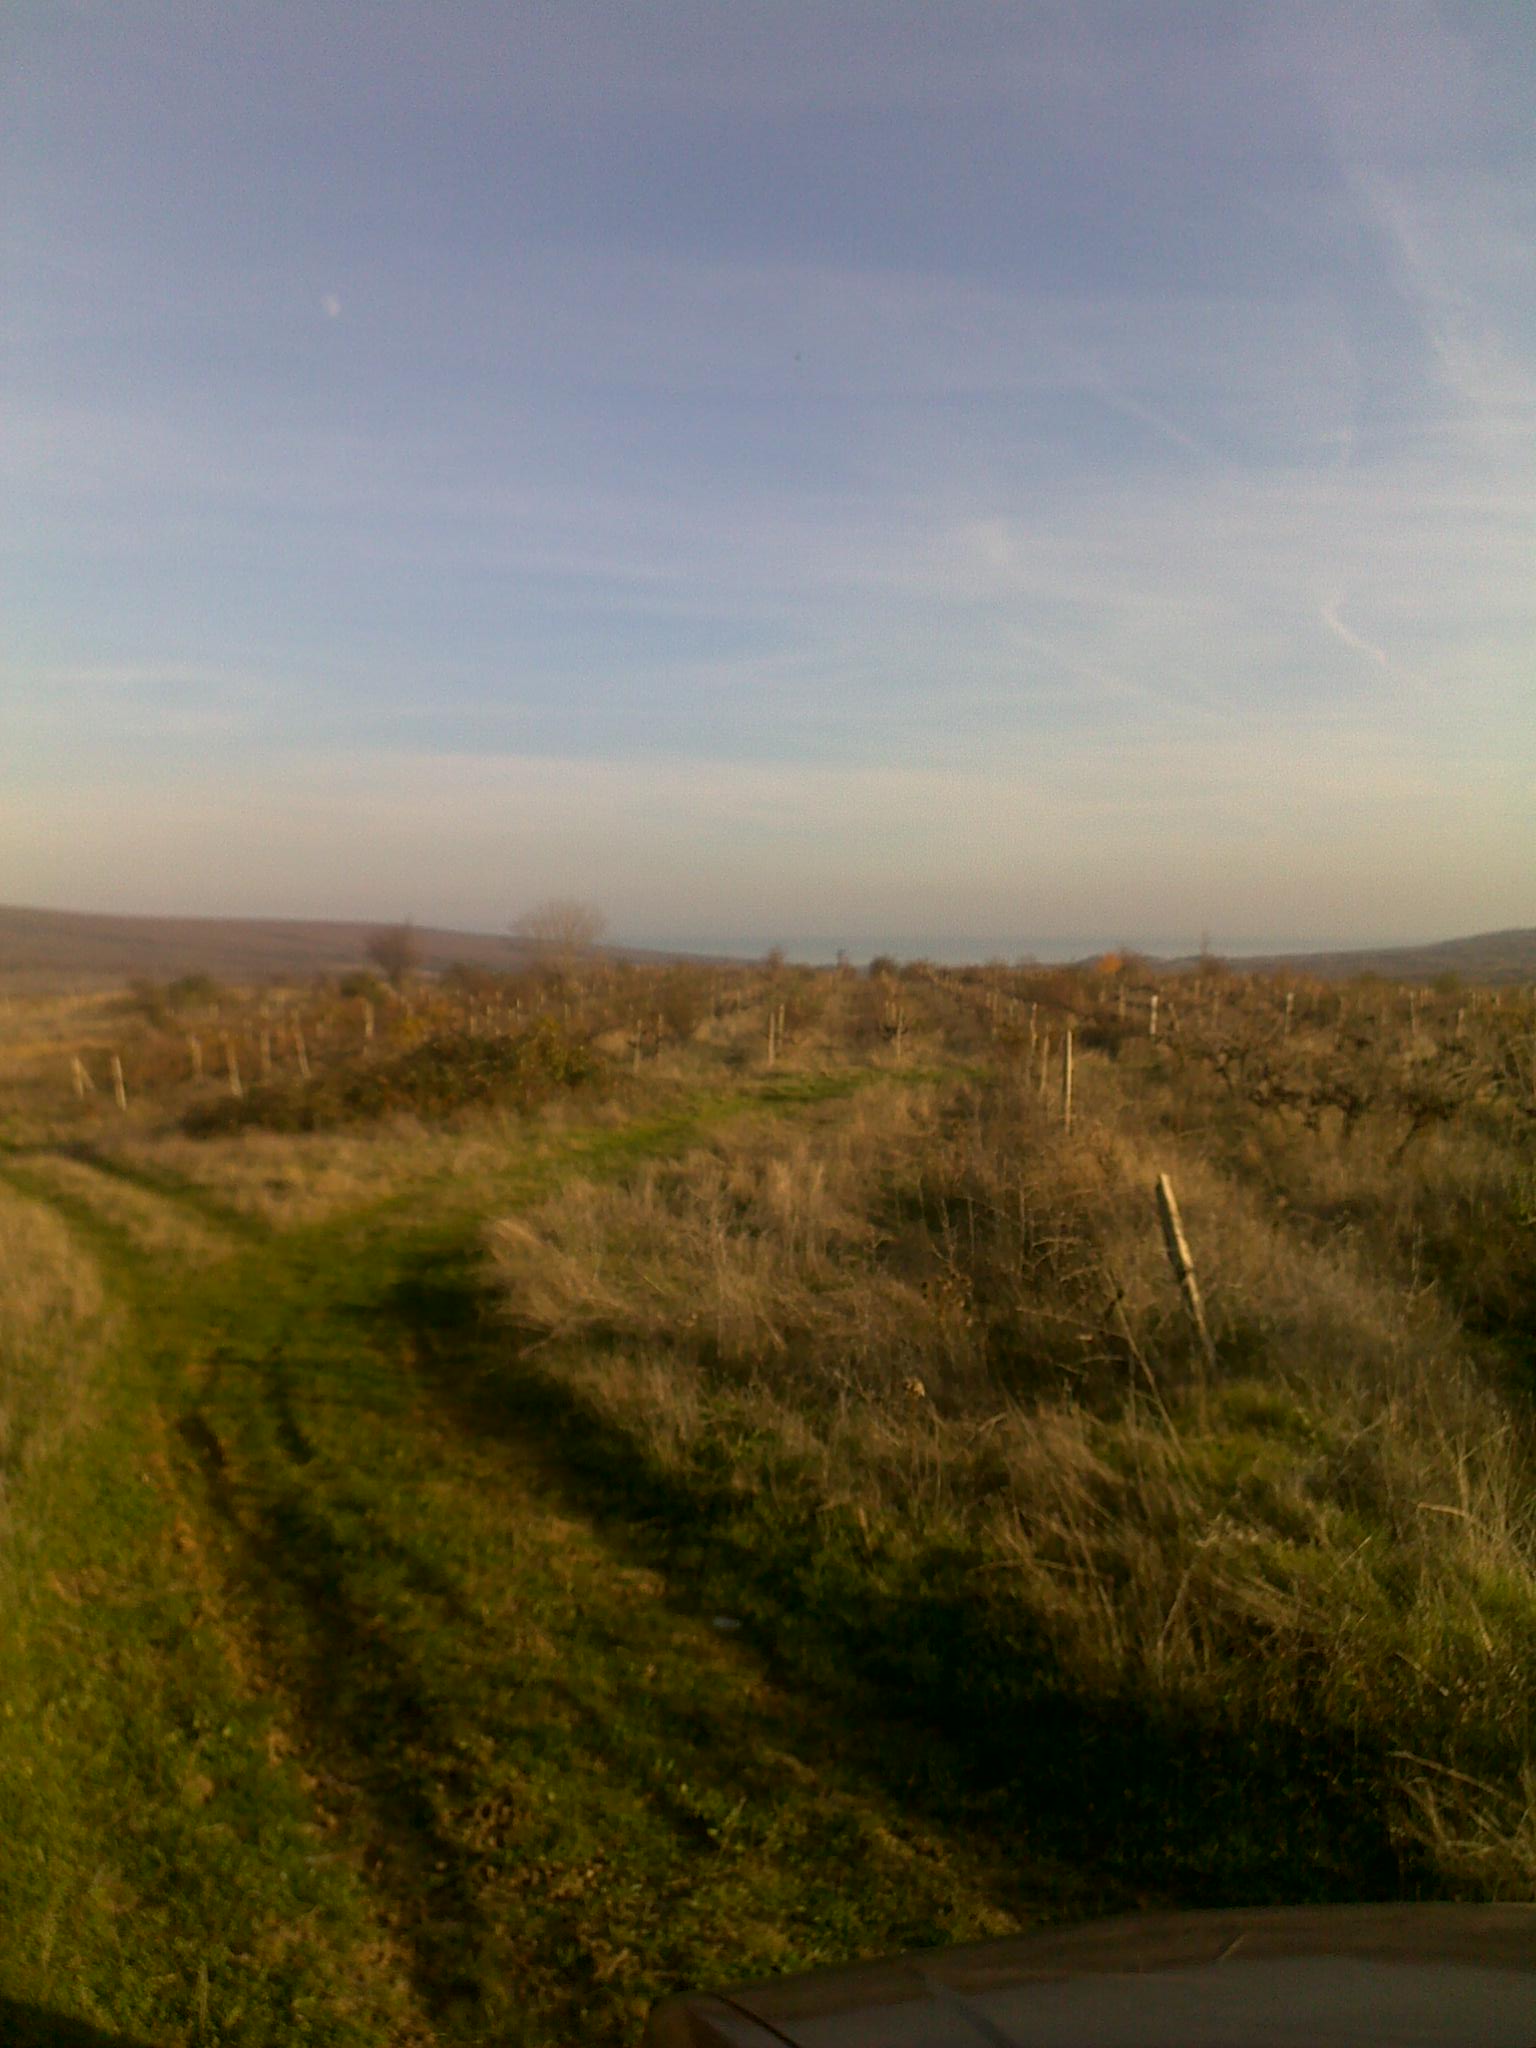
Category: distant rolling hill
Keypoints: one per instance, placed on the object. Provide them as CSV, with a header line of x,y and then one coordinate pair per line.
x,y
1490,957
49,949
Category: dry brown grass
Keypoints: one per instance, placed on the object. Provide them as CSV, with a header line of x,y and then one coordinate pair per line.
x,y
305,1177
944,1316
296,1178
153,1225
50,1322
740,1249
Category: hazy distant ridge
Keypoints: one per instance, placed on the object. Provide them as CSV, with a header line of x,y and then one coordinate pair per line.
x,y
1508,956
45,946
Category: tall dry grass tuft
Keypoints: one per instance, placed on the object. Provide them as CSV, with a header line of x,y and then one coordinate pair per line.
x,y
155,1226
50,1314
941,1318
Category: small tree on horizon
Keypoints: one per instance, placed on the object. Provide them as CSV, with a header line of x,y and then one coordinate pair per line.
x,y
396,951
561,931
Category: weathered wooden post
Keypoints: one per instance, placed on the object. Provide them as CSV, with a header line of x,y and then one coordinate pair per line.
x,y
195,1050
1183,1266
1066,1081
300,1051
1290,1004
119,1087
81,1078
232,1067
1152,1016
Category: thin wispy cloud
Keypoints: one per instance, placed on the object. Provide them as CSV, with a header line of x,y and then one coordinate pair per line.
x,y
1357,643
990,412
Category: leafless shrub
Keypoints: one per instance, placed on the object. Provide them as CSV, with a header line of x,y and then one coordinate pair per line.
x,y
396,951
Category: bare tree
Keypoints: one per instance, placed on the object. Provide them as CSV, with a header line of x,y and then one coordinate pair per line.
x,y
561,931
396,951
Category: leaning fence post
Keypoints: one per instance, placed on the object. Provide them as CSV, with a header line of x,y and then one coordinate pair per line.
x,y
119,1088
1183,1265
82,1079
1066,1081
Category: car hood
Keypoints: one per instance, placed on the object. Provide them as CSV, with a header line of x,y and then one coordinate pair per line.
x,y
1338,1977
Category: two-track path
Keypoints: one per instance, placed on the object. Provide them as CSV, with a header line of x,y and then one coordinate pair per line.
x,y
371,1724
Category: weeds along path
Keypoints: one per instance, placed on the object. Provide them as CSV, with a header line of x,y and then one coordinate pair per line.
x,y
327,1717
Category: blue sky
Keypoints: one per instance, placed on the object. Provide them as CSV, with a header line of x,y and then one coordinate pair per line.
x,y
902,474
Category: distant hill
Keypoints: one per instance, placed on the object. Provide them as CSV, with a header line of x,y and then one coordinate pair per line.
x,y
1491,958
47,949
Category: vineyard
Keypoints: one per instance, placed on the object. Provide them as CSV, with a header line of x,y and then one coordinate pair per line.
x,y
521,1492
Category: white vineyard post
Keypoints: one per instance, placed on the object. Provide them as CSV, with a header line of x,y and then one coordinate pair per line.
x,y
1177,1246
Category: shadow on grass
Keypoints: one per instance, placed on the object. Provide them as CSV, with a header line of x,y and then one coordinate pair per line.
x,y
29,2026
1147,1802
363,1705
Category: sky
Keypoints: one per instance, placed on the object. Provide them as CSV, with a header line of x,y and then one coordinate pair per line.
x,y
988,477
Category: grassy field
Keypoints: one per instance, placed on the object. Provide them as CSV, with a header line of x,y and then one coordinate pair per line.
x,y
502,1528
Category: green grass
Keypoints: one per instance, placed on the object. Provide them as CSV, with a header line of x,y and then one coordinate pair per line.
x,y
372,1673
331,1714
